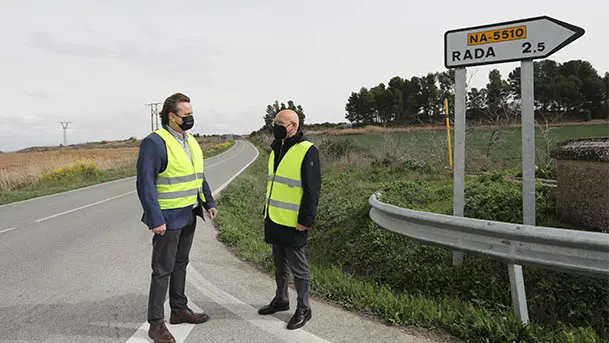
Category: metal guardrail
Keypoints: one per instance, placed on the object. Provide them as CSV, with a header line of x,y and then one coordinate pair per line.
x,y
570,251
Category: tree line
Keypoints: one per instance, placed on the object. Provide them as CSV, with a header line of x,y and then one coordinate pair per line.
x,y
273,109
573,91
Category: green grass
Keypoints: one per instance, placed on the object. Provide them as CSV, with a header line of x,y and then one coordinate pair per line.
x,y
512,137
506,154
66,179
365,268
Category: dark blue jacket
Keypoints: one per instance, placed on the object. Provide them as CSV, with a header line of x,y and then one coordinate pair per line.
x,y
151,161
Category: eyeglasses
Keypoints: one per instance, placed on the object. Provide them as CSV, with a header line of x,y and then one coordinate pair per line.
x,y
279,122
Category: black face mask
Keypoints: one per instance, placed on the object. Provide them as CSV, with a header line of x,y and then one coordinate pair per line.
x,y
187,123
280,132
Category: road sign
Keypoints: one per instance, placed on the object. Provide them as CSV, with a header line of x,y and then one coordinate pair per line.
x,y
517,40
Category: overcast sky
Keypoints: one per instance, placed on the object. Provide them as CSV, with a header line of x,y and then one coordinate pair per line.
x,y
96,63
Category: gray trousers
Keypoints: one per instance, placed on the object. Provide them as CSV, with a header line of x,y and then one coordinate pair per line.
x,y
294,259
170,256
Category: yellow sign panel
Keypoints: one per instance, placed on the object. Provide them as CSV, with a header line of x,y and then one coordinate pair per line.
x,y
496,36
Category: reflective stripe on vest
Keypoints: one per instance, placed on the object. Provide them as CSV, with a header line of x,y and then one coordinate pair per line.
x,y
284,205
182,181
286,181
284,187
179,194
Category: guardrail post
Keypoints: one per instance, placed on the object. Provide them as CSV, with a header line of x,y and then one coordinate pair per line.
x,y
459,162
519,298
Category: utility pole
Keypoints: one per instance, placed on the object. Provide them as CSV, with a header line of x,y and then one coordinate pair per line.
x,y
64,125
154,112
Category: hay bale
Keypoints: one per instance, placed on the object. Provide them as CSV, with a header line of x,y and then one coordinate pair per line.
x,y
582,174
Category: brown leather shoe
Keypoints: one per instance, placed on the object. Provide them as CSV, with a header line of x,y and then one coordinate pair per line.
x,y
160,334
187,316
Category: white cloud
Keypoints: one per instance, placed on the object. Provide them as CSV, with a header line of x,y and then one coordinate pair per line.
x,y
96,63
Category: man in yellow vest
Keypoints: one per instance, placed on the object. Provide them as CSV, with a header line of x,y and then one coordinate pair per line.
x,y
172,190
293,188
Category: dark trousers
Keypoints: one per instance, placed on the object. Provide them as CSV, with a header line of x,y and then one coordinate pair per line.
x,y
293,259
169,260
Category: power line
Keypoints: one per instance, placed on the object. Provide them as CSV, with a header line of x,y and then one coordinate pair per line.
x,y
154,113
64,125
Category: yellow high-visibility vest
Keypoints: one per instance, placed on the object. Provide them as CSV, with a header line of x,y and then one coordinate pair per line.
x,y
182,181
284,187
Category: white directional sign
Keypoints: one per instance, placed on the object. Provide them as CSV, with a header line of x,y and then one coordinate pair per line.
x,y
520,40
511,41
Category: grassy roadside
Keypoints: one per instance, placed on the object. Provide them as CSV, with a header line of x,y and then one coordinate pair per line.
x,y
82,174
364,268
486,150
52,187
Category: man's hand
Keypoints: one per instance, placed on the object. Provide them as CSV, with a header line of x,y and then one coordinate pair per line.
x,y
160,230
213,213
301,228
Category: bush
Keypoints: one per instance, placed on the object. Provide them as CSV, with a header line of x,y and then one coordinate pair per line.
x,y
408,194
82,169
494,198
332,148
218,148
398,164
324,126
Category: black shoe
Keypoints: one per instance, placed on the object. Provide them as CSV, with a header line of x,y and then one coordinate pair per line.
x,y
300,318
273,307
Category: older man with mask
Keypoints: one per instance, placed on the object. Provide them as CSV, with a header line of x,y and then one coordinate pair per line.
x,y
172,190
293,188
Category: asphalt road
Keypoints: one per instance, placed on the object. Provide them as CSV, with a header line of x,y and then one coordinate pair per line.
x,y
75,267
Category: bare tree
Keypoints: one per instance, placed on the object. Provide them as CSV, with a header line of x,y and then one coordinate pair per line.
x,y
546,126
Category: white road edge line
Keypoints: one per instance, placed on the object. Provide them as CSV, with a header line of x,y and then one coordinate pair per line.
x,y
7,230
248,313
225,160
83,207
224,185
180,332
93,186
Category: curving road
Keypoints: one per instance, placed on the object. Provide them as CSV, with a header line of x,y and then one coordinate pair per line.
x,y
75,267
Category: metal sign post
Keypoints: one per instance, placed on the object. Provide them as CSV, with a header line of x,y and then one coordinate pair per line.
x,y
459,162
519,40
528,142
